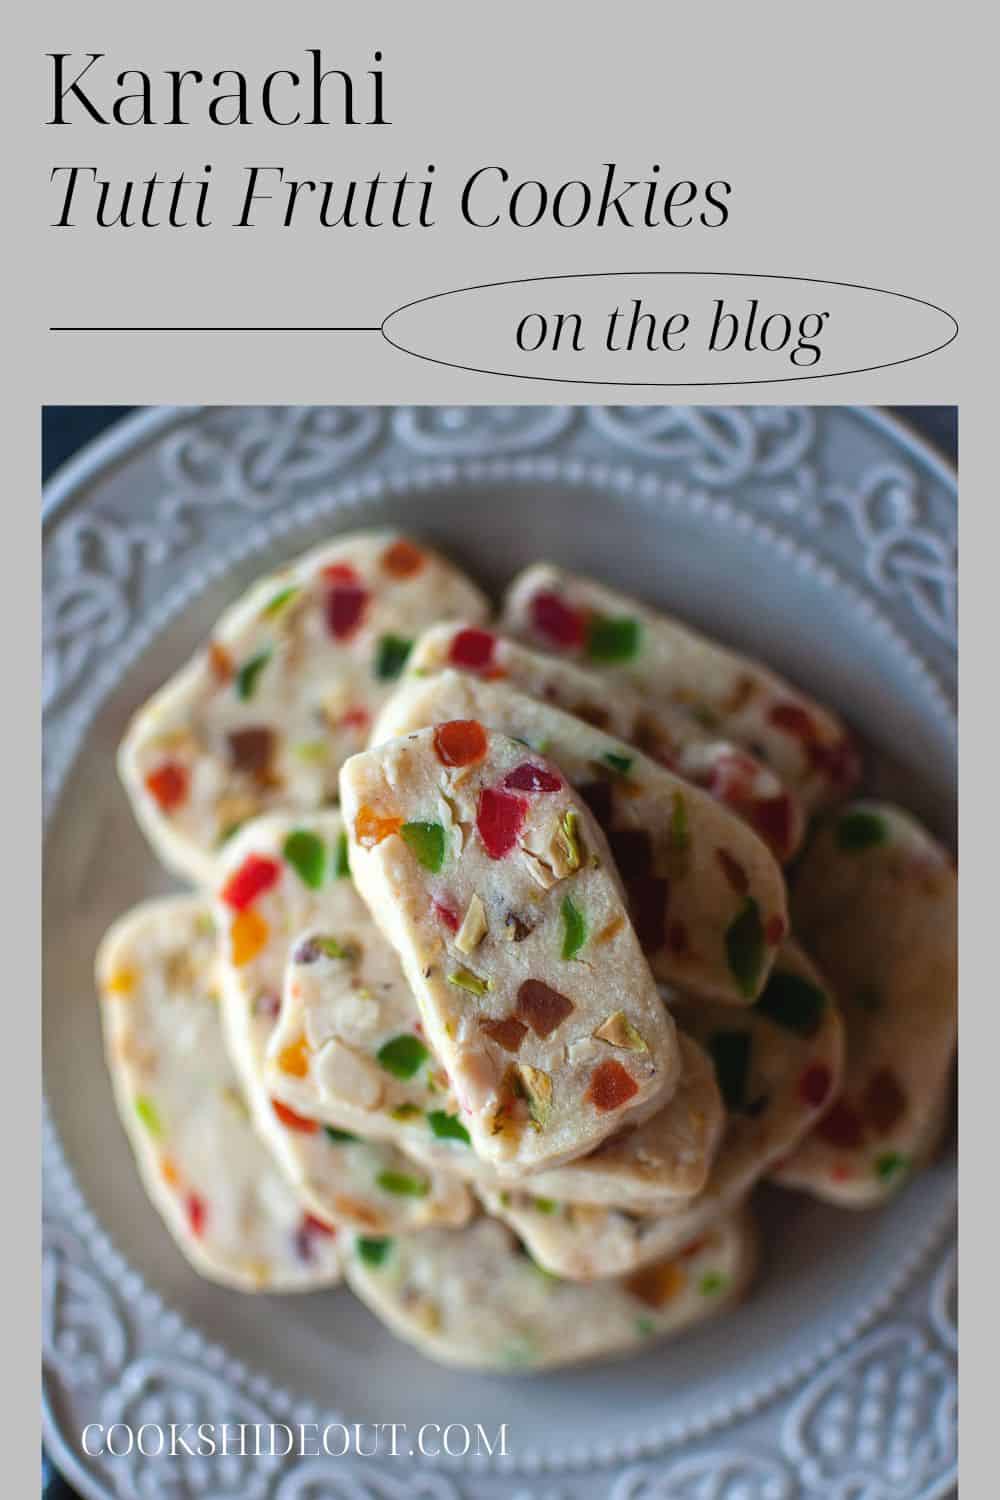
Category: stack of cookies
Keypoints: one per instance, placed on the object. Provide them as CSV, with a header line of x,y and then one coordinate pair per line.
x,y
492,997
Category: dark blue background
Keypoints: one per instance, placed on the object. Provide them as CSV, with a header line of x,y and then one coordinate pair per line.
x,y
65,429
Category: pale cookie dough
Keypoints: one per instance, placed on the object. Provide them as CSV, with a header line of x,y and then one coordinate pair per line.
x,y
666,733
706,896
278,876
286,689
876,899
472,1297
349,1047
731,695
352,1052
492,881
778,1066
221,1195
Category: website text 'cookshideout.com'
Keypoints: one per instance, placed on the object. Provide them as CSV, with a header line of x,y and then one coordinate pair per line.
x,y
304,1439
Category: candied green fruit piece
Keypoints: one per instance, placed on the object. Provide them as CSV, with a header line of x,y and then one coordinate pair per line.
x,y
613,639
306,853
860,830
246,677
426,841
403,1055
390,656
574,928
374,1252
448,1127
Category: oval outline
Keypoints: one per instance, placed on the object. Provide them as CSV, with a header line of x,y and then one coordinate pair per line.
x,y
483,286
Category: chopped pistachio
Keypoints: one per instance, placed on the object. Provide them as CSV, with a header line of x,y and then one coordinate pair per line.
x,y
277,604
474,926
464,979
535,1088
570,841
406,1112
334,949
311,752
403,1185
618,1031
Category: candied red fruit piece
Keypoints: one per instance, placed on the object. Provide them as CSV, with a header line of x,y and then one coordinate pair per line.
x,y
472,649
289,1118
542,1007
448,915
839,762
462,742
255,875
168,785
794,720
345,601
773,819
815,1084
197,1212
508,1032
530,778
499,818
611,1086
557,622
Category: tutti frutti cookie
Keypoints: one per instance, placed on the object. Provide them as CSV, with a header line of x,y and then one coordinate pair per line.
x,y
705,894
778,1067
224,1199
672,665
279,875
492,881
473,1297
876,898
667,733
284,691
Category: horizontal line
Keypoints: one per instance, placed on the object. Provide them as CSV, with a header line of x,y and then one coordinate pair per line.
x,y
206,328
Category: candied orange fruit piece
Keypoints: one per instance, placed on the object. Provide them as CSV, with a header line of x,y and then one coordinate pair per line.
x,y
402,559
294,1059
247,936
370,828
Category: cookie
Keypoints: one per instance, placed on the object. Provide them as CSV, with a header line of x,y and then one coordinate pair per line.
x,y
278,875
672,665
876,898
223,1198
473,1297
489,876
285,690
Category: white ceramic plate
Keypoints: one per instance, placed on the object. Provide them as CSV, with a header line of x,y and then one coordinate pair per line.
x,y
821,539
